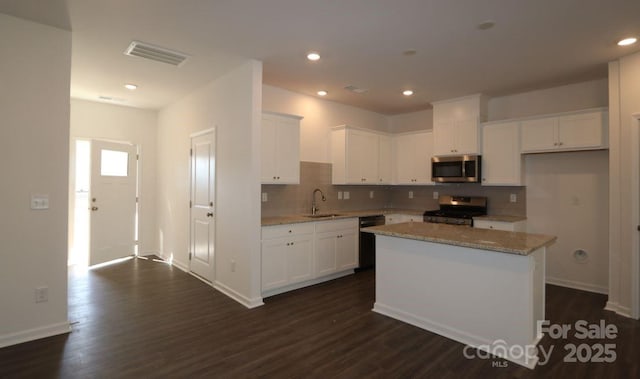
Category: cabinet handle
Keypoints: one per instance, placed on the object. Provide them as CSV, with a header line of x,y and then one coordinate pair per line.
x,y
289,231
555,144
291,243
560,143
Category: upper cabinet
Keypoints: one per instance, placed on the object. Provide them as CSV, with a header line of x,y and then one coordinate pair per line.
x,y
501,158
412,153
583,130
359,156
280,149
456,125
385,160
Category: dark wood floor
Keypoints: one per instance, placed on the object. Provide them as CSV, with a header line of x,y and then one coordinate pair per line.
x,y
140,318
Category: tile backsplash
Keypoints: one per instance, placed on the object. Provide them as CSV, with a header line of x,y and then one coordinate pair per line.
x,y
296,199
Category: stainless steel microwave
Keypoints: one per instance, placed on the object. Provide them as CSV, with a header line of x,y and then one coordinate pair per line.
x,y
456,169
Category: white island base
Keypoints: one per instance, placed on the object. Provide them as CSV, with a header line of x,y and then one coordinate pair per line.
x,y
485,299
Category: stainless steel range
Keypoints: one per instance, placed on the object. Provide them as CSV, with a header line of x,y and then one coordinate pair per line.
x,y
457,210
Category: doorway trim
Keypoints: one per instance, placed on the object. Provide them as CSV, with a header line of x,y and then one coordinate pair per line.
x,y
635,215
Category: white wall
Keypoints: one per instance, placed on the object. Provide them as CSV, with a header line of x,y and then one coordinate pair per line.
x,y
624,97
319,116
231,104
105,121
551,100
34,146
567,196
410,122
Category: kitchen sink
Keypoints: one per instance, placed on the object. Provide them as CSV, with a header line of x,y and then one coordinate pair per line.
x,y
322,215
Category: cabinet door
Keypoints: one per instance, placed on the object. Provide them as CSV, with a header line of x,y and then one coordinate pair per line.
x,y
384,160
269,137
501,158
299,257
274,263
369,158
466,137
444,133
580,131
423,151
288,152
356,152
538,135
403,153
347,249
325,253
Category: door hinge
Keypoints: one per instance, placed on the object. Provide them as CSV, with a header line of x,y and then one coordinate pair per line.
x,y
190,204
137,199
137,157
191,152
190,254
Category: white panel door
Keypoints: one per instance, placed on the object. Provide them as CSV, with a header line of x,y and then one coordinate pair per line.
x,y
203,176
347,249
288,151
325,253
113,201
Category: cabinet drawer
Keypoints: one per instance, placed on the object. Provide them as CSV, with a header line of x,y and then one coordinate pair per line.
x,y
335,225
277,231
517,226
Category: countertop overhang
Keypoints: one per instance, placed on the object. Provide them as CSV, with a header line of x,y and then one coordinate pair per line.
x,y
464,236
297,218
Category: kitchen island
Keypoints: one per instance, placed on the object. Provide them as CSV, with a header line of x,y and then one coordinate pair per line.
x,y
484,288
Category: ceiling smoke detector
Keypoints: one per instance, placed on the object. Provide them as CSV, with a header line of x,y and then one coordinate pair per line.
x,y
355,89
155,53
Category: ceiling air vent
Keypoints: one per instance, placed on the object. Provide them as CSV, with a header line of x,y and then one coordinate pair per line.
x,y
355,89
155,53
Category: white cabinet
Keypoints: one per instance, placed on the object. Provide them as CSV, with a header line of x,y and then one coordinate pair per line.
x,y
336,246
385,160
501,159
355,156
510,226
412,158
583,130
280,149
296,255
456,125
287,255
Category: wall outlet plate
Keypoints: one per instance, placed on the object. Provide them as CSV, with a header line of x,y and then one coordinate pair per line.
x,y
339,195
370,194
513,198
39,202
436,195
42,294
410,194
265,197
346,195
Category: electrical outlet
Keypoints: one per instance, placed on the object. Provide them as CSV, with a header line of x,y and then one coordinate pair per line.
x,y
339,195
410,194
265,197
370,194
233,266
513,198
42,294
39,202
346,195
436,195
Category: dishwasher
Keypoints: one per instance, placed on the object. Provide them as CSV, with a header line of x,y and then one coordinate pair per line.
x,y
367,252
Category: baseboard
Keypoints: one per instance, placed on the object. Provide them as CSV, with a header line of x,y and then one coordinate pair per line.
x,y
180,265
292,287
577,285
455,334
34,334
249,303
619,309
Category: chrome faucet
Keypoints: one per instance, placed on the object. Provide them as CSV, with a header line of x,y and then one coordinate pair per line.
x,y
314,208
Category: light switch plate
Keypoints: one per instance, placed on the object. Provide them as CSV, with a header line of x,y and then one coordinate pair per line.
x,y
410,194
265,197
339,195
436,195
370,194
513,198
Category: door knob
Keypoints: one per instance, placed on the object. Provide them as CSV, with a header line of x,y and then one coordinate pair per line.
x,y
210,214
94,208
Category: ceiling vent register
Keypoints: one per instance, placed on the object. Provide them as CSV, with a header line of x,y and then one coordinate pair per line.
x,y
155,53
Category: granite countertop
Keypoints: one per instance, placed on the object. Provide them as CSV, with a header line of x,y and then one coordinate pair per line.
x,y
485,239
503,218
297,218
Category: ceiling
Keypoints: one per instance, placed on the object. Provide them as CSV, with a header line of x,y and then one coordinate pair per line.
x,y
534,44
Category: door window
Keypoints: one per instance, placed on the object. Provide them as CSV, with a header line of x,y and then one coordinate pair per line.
x,y
114,163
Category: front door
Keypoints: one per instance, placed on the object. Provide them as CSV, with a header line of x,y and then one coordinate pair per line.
x,y
112,201
203,170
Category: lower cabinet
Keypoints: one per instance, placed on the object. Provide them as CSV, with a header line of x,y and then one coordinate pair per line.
x,y
397,218
509,226
307,252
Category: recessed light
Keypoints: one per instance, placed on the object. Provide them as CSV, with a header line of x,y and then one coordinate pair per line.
x,y
627,41
322,93
486,25
407,92
130,86
313,56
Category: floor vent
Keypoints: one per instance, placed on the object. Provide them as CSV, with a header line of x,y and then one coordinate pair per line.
x,y
155,53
